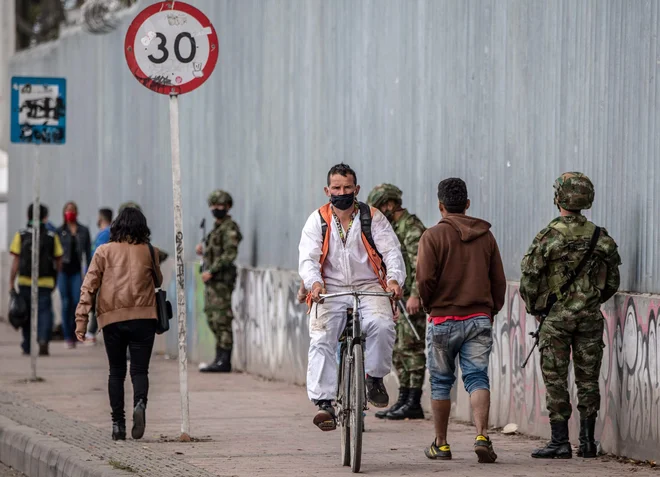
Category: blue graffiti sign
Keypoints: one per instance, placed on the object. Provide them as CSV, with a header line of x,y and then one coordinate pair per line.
x,y
38,110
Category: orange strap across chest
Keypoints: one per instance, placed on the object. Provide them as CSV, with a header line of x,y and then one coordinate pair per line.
x,y
375,258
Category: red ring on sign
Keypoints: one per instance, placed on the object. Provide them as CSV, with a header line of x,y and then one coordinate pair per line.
x,y
132,32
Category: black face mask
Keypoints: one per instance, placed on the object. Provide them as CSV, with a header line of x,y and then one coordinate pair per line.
x,y
219,213
342,202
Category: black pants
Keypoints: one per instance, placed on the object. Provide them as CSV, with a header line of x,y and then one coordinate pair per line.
x,y
138,337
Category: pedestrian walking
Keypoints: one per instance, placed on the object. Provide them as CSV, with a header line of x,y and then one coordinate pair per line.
x,y
77,247
461,282
122,274
50,261
571,268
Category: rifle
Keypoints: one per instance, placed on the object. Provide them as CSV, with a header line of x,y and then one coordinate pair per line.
x,y
552,299
402,306
202,226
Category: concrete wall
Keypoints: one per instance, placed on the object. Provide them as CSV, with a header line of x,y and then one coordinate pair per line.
x,y
629,420
271,335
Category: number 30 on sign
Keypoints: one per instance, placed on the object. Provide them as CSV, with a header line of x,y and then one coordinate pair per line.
x,y
171,47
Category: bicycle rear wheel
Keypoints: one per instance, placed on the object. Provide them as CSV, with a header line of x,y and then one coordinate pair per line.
x,y
358,397
344,406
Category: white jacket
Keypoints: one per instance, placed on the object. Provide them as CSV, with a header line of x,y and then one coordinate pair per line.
x,y
348,265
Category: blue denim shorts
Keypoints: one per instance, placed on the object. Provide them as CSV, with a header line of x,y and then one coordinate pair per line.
x,y
471,340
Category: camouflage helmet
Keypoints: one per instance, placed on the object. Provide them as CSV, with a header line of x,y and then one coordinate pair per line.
x,y
383,193
220,197
574,191
130,203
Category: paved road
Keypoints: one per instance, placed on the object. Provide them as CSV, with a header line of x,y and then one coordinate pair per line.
x,y
247,426
9,472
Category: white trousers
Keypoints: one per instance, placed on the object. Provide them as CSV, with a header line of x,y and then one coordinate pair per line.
x,y
325,327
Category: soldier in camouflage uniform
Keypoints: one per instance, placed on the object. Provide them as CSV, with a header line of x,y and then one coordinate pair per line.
x,y
219,274
575,320
409,359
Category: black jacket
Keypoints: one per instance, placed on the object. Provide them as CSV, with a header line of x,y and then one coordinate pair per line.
x,y
84,244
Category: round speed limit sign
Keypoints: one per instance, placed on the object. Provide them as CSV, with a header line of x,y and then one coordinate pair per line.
x,y
171,47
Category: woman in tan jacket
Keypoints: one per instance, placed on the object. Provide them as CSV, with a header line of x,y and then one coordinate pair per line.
x,y
122,273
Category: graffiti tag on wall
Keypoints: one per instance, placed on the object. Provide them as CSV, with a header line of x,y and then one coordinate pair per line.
x,y
629,418
270,327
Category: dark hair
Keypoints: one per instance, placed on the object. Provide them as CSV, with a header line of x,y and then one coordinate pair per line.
x,y
130,226
75,206
43,212
343,170
106,214
452,193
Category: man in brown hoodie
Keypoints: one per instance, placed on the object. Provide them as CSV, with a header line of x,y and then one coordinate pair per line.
x,y
462,285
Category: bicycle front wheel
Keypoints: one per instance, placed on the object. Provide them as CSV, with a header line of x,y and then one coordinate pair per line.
x,y
357,404
343,413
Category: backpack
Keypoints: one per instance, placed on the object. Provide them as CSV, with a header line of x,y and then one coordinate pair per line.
x,y
46,253
375,258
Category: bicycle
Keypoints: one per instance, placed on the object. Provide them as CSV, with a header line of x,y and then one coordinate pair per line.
x,y
351,389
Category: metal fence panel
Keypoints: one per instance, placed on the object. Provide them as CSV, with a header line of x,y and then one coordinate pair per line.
x,y
506,94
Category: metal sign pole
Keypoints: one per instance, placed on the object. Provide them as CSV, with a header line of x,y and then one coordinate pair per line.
x,y
180,280
34,306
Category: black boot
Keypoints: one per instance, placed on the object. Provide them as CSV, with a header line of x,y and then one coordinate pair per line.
x,y
221,364
43,349
412,409
118,430
559,447
588,448
403,397
376,392
139,420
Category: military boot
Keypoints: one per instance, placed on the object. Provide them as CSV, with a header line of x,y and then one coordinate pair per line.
x,y
412,409
403,398
221,363
559,447
588,448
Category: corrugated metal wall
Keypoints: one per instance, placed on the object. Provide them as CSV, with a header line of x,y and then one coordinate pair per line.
x,y
506,94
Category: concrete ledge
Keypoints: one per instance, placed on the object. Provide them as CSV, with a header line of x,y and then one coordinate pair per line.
x,y
37,455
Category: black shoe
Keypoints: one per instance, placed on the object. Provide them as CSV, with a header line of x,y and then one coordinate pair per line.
x,y
483,447
43,349
376,392
412,409
559,447
139,420
435,452
221,364
118,430
588,448
403,397
325,419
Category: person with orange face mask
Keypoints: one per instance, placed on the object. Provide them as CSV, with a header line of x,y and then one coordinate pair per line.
x,y
77,246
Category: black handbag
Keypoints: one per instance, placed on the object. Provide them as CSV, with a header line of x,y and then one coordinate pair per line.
x,y
18,310
163,306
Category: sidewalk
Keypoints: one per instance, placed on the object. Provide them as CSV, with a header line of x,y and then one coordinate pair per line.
x,y
246,426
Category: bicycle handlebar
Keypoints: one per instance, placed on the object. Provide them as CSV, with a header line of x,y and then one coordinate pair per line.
x,y
356,293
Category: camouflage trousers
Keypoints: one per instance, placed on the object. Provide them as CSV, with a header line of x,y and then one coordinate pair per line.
x,y
217,306
408,358
560,333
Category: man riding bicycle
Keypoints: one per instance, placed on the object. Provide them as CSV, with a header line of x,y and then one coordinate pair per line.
x,y
347,245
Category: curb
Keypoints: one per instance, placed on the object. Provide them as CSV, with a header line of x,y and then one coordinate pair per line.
x,y
38,455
